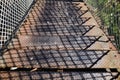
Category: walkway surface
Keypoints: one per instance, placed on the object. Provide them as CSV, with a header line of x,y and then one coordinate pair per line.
x,y
60,35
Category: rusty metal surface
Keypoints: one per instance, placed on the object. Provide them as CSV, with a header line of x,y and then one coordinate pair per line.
x,y
55,29
53,58
54,36
22,75
52,20
56,26
58,42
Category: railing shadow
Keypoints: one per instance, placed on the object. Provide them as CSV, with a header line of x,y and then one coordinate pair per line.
x,y
51,18
53,21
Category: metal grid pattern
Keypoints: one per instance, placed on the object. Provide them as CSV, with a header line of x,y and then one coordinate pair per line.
x,y
12,12
53,36
22,75
57,12
53,58
55,20
58,42
47,21
52,30
53,40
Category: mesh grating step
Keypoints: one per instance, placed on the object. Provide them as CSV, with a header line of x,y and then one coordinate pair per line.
x,y
57,21
58,42
24,75
55,30
63,13
53,58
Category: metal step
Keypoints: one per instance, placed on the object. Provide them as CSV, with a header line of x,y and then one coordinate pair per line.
x,y
55,30
48,75
58,42
23,58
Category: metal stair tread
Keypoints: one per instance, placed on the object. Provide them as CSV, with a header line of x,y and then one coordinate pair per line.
x,y
24,58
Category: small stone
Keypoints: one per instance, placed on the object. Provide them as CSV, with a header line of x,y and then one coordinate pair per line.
x,y
13,68
31,58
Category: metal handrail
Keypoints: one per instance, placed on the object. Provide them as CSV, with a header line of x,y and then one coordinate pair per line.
x,y
108,12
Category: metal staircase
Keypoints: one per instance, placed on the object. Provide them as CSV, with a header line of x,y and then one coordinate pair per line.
x,y
60,40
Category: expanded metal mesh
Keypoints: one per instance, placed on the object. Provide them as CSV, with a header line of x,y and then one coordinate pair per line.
x,y
12,12
53,58
53,37
23,75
